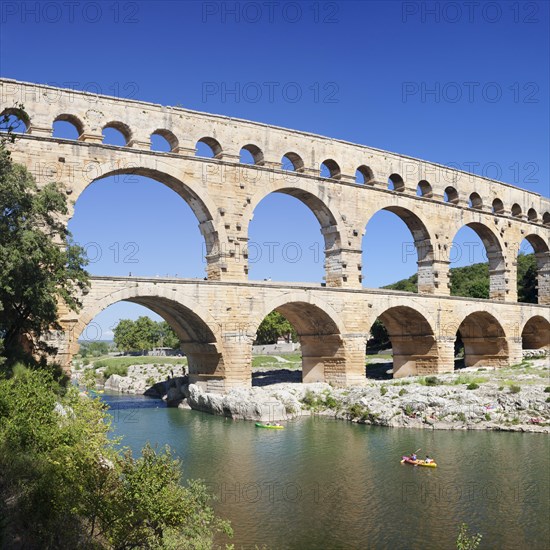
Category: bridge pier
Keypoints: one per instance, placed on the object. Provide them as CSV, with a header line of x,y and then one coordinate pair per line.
x,y
343,268
334,359
238,360
486,351
414,355
205,366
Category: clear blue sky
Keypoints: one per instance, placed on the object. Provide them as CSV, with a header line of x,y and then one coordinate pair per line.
x,y
359,71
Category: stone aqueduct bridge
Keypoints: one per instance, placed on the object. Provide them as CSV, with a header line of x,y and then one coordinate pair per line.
x,y
217,318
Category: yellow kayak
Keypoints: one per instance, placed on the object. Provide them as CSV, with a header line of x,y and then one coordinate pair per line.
x,y
261,425
407,460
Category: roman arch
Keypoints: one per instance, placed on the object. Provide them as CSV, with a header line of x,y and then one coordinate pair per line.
x,y
216,318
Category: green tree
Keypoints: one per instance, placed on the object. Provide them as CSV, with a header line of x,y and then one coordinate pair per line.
x,y
273,326
124,335
41,267
406,285
472,281
94,349
65,484
166,337
527,278
144,334
380,338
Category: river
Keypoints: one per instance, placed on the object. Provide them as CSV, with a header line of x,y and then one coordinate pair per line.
x,y
327,484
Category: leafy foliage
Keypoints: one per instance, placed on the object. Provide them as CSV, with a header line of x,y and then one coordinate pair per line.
x,y
406,285
38,271
89,379
64,483
93,349
380,339
465,540
144,334
472,281
527,278
121,370
273,326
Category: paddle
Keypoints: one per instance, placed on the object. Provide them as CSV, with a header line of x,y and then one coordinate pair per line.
x,y
405,454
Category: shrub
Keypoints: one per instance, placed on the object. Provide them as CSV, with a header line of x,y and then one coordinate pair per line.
x,y
150,381
515,389
89,379
402,391
309,399
487,416
121,370
468,379
383,390
355,410
409,411
461,416
64,477
500,388
547,389
331,402
432,381
472,386
548,399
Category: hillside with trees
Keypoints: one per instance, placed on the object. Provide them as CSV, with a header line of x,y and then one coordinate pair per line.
x,y
472,281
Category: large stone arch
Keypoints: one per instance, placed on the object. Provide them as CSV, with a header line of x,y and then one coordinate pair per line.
x,y
199,334
413,340
494,248
542,258
484,338
196,197
330,221
536,333
422,244
325,356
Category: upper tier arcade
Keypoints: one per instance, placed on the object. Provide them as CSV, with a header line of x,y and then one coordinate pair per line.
x,y
434,201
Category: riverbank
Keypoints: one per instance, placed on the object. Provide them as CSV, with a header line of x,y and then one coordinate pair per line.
x,y
511,399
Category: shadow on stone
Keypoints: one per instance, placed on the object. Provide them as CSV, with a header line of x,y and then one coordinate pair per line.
x,y
276,376
379,371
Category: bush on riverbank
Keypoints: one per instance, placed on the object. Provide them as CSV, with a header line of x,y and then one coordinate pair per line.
x,y
121,370
65,484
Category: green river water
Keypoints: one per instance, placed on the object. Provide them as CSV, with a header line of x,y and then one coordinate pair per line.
x,y
327,484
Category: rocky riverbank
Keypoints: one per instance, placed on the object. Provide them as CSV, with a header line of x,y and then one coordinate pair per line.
x,y
154,380
515,399
512,399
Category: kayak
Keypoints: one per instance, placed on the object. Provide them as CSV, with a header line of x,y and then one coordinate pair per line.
x,y
269,426
407,460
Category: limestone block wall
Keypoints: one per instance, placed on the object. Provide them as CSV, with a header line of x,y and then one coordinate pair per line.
x,y
217,319
224,192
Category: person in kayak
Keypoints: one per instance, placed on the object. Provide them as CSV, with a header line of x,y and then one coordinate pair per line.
x,y
413,456
428,460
